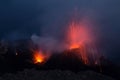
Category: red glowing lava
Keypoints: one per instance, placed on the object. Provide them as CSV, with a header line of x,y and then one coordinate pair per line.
x,y
40,57
79,37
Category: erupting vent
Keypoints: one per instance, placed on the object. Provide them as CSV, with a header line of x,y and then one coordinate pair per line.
x,y
79,40
79,37
40,57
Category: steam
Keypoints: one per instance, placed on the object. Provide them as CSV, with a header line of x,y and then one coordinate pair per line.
x,y
47,43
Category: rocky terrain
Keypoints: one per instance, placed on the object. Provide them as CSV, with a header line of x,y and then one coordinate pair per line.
x,y
58,67
32,74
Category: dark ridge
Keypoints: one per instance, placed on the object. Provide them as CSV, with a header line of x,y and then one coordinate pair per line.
x,y
12,63
32,74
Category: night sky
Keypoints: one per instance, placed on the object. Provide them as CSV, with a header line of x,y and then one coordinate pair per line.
x,y
19,19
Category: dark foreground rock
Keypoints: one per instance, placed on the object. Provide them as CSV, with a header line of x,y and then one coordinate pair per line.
x,y
33,74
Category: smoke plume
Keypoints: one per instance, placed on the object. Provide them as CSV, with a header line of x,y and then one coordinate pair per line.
x,y
48,43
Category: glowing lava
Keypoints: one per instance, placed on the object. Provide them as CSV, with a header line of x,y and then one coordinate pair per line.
x,y
40,57
77,34
77,37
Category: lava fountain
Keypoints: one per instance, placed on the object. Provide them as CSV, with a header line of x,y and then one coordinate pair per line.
x,y
40,57
79,37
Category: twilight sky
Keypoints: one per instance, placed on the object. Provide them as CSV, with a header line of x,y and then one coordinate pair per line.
x,y
19,19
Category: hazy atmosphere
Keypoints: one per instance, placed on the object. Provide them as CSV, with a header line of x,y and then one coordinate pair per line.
x,y
20,19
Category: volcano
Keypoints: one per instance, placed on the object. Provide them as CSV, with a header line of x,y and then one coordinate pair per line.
x,y
79,52
66,60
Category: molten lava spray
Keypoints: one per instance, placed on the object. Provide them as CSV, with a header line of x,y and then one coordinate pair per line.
x,y
40,57
79,37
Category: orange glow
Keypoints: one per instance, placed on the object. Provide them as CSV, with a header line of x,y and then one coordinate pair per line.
x,y
77,37
40,57
74,46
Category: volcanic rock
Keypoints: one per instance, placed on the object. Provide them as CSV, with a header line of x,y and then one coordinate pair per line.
x,y
33,74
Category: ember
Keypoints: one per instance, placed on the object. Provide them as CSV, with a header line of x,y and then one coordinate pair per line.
x,y
40,57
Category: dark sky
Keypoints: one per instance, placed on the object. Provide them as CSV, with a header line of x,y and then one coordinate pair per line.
x,y
20,19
